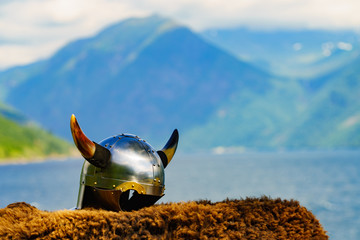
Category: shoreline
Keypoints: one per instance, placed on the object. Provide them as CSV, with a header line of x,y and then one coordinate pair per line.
x,y
16,161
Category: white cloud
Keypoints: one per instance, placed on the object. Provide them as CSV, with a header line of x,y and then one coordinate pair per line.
x,y
258,13
13,54
33,29
345,46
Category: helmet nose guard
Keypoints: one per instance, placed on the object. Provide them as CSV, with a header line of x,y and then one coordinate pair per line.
x,y
122,172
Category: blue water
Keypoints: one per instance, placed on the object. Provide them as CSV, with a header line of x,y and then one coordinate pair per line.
x,y
327,183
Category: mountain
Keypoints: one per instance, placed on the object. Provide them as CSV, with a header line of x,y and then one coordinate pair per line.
x,y
26,140
144,76
319,113
334,115
289,53
148,76
247,122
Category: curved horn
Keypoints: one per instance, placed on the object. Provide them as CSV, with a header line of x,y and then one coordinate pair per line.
x,y
168,151
94,153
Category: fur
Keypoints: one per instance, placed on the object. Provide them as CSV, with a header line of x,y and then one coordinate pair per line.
x,y
251,218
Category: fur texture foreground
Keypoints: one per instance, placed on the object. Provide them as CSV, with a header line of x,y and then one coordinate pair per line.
x,y
251,218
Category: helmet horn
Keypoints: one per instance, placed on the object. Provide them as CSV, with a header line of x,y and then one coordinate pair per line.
x,y
168,151
94,153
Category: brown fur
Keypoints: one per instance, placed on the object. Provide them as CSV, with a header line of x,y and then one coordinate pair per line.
x,y
252,218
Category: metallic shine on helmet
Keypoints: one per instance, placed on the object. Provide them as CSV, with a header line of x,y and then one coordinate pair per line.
x,y
122,172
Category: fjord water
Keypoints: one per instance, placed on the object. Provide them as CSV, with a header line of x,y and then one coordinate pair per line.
x,y
326,183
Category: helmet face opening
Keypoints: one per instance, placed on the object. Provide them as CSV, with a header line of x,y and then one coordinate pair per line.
x,y
116,200
131,200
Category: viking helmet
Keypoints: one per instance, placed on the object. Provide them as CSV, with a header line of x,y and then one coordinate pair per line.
x,y
122,172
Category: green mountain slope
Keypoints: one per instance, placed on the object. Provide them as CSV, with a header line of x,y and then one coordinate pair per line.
x,y
20,138
18,141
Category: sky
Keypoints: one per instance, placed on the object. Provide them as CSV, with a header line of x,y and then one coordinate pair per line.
x,y
32,30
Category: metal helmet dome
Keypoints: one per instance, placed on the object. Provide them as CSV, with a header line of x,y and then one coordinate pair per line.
x,y
122,172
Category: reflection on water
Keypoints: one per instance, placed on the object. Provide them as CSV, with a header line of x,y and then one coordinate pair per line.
x,y
327,183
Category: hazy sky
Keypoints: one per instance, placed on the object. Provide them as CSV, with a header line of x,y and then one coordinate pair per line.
x,y
34,29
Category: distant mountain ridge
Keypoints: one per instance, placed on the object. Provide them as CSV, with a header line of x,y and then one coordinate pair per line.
x,y
12,114
148,76
290,53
